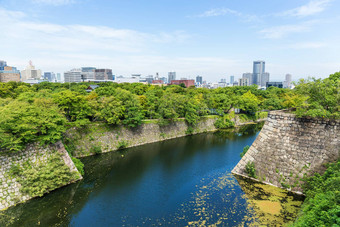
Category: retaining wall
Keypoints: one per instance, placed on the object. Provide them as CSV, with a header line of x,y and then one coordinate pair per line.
x,y
289,149
10,193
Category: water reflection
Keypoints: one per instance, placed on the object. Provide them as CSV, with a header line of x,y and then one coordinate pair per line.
x,y
184,181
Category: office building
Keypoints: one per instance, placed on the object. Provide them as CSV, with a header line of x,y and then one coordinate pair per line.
x,y
274,84
2,64
103,74
50,76
259,77
199,80
288,82
171,76
9,73
87,73
30,72
249,77
264,79
243,82
74,75
149,79
232,79
58,77
187,83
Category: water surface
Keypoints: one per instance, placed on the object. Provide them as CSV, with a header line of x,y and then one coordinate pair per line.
x,y
179,182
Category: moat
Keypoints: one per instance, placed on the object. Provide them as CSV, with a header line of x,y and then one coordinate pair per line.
x,y
179,182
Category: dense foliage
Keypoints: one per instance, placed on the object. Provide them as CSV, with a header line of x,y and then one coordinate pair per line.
x,y
322,204
42,178
42,112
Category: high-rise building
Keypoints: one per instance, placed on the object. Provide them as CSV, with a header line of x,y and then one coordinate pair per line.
x,y
50,76
30,72
258,69
232,79
103,74
58,77
2,64
264,79
171,76
8,73
149,79
259,77
87,73
288,81
249,77
199,79
74,75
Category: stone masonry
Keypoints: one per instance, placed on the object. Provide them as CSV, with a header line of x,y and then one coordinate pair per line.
x,y
290,148
9,188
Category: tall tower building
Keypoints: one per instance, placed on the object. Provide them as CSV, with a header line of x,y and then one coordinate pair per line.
x,y
288,80
232,79
199,79
258,69
171,76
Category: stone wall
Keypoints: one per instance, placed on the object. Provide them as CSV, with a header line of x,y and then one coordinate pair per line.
x,y
109,138
289,149
10,193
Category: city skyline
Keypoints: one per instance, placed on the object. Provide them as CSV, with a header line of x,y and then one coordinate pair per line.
x,y
213,40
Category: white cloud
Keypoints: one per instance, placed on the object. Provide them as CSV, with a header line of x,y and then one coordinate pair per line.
x,y
224,11
311,8
54,2
278,32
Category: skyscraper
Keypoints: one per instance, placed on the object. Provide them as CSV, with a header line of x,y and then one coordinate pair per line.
x,y
199,79
288,81
171,76
232,78
258,69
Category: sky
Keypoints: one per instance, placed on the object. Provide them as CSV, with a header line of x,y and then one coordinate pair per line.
x,y
211,38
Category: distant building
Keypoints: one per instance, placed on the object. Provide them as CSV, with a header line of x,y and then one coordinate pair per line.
x,y
164,79
74,75
187,83
199,80
2,64
249,77
288,82
171,76
259,77
30,72
232,79
87,73
58,77
149,79
103,74
50,76
274,84
264,79
243,82
9,73
132,79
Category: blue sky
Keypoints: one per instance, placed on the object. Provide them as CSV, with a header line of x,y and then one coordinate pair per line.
x,y
212,38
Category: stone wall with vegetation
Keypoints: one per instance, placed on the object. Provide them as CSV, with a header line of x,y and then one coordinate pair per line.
x,y
100,137
288,149
33,172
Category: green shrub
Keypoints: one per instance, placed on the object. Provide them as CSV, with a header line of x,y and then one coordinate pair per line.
x,y
15,169
245,149
44,177
96,149
322,203
189,131
79,165
223,123
122,144
250,169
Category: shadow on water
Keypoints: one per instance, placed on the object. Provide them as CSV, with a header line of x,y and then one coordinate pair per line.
x,y
183,181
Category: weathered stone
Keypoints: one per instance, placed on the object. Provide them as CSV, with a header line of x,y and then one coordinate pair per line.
x,y
292,151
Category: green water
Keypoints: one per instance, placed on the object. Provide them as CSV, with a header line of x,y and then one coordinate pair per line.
x,y
179,182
